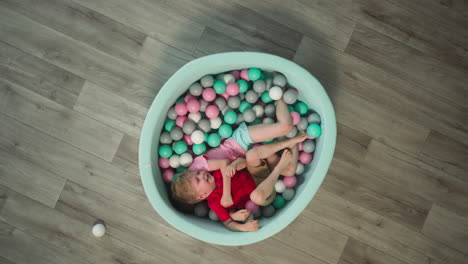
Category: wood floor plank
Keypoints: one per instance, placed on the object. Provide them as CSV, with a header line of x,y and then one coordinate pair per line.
x,y
70,234
383,234
342,70
308,18
29,179
15,242
447,227
65,52
111,109
446,154
126,156
61,122
357,252
409,64
74,164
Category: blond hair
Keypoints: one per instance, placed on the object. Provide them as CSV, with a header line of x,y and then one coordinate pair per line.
x,y
182,190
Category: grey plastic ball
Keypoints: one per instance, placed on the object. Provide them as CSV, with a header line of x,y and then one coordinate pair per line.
x,y
204,125
212,215
201,210
165,138
207,81
203,105
220,102
270,110
242,96
268,211
268,120
268,83
293,132
302,125
171,114
251,217
189,126
225,110
234,102
313,118
288,194
259,86
251,96
240,119
279,80
176,133
308,146
249,115
290,97
220,77
299,180
196,89
257,214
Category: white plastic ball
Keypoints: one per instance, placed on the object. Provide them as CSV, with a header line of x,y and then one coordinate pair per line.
x,y
251,96
299,168
204,125
176,133
290,97
206,81
229,78
293,132
99,230
249,115
174,161
276,93
308,146
212,215
171,114
279,80
189,126
234,102
259,86
216,122
203,105
165,138
185,159
279,186
313,118
196,89
302,125
270,110
268,120
258,109
197,137
195,117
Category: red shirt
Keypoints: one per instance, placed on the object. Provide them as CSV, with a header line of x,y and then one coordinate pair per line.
x,y
242,184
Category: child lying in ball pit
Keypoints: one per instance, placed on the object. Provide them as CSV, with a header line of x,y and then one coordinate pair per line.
x,y
229,186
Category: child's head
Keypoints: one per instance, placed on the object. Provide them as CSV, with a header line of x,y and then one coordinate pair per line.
x,y
192,186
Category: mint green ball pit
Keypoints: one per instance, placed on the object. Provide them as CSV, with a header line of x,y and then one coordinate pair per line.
x,y
311,92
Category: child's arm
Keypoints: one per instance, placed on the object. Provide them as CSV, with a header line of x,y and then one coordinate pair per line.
x,y
217,164
226,199
251,225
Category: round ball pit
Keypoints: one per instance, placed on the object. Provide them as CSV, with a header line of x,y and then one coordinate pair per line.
x,y
311,92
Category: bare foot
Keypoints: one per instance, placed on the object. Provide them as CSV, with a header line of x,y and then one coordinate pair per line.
x,y
286,158
298,138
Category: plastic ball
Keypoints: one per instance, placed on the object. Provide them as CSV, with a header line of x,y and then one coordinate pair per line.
x,y
216,122
291,108
212,215
301,108
279,186
176,133
189,97
225,131
180,147
268,120
243,86
209,94
165,138
244,105
188,139
275,93
180,100
198,137
236,74
289,181
180,120
181,108
299,169
214,140
169,125
296,118
251,207
232,89
242,96
258,109
163,163
167,175
279,80
249,115
212,111
288,194
305,158
240,119
98,230
225,110
279,202
234,102
185,159
189,126
308,146
259,86
174,161
255,122
171,114
203,105
196,89
219,87
258,214
220,103
302,125
251,96
225,95
195,117
199,149
193,106
165,151
270,110
266,97
290,96
314,130
254,74
268,83
244,74
230,117
207,81
204,125
313,118
293,132
201,209
268,211
229,78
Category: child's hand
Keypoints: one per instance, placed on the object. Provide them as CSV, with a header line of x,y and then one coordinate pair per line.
x,y
229,170
226,201
240,215
251,225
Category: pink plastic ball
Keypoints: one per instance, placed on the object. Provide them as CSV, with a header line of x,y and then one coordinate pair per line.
x,y
167,175
212,111
289,181
236,74
193,106
296,117
188,139
245,74
209,94
305,158
189,97
232,89
181,108
251,207
299,147
180,120
163,163
225,95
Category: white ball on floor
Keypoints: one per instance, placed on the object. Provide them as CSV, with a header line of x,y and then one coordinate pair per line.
x,y
197,137
258,110
279,186
300,168
185,159
276,93
99,230
174,161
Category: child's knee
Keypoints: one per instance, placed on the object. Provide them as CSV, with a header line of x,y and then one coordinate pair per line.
x,y
257,197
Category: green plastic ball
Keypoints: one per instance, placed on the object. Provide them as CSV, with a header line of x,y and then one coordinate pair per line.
x,y
180,147
291,108
301,108
180,169
244,105
256,122
174,178
225,131
219,86
314,130
214,140
206,137
180,100
254,74
243,85
199,149
169,125
279,202
230,117
165,151
266,97
268,141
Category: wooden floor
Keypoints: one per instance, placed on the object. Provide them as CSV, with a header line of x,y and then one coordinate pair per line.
x,y
78,76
